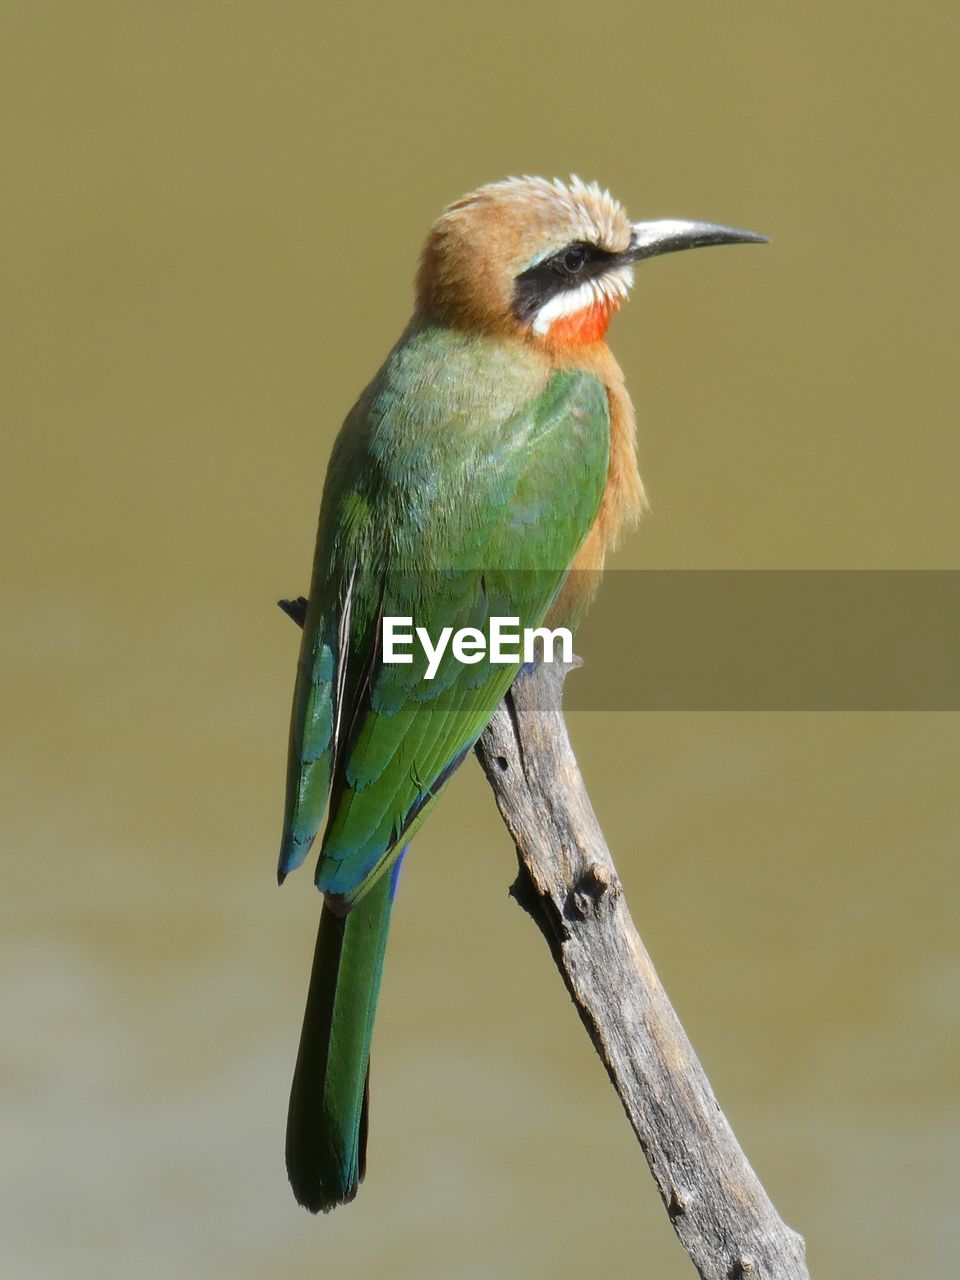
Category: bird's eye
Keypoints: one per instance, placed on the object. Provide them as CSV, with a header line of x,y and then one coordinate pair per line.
x,y
574,258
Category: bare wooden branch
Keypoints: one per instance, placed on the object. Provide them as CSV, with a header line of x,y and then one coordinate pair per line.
x,y
569,885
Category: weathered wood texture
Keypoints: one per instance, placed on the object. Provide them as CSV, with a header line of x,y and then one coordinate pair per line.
x,y
569,885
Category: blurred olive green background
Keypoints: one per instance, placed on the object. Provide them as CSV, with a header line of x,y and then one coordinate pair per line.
x,y
210,220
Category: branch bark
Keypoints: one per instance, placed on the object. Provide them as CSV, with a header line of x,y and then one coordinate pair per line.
x,y
568,884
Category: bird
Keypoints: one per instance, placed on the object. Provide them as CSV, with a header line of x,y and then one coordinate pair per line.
x,y
486,471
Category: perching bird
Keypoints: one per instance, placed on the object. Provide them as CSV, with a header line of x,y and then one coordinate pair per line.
x,y
488,463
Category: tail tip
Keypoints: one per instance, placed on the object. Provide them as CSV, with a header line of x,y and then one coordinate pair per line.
x,y
311,1195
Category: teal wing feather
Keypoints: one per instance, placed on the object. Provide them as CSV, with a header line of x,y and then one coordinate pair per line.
x,y
460,488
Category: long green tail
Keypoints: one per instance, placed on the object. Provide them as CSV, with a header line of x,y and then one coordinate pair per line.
x,y
327,1120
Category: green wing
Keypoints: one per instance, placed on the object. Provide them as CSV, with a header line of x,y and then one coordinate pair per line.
x,y
460,489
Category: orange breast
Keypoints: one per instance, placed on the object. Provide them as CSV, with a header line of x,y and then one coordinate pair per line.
x,y
623,497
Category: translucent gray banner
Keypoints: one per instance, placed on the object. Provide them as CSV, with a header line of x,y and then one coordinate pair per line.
x,y
674,640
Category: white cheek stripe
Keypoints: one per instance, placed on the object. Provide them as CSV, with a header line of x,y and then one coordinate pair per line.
x,y
606,288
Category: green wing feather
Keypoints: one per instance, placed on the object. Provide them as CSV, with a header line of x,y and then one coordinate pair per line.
x,y
461,487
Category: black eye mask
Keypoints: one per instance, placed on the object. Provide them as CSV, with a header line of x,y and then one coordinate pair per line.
x,y
564,270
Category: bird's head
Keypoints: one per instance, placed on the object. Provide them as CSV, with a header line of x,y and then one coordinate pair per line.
x,y
547,261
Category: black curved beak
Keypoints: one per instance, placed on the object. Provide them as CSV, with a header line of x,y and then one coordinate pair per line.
x,y
670,235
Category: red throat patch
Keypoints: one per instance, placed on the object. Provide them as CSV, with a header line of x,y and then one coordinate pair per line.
x,y
582,327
